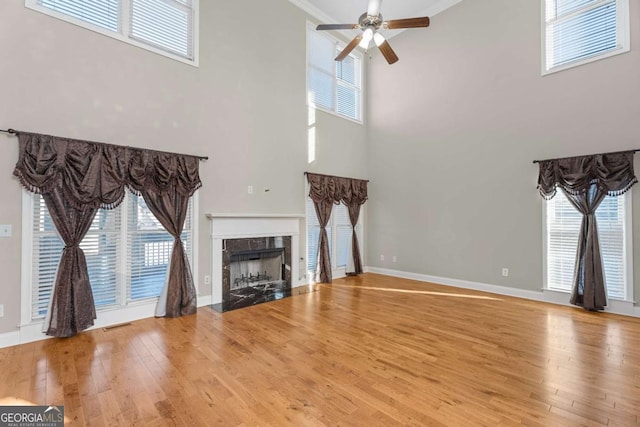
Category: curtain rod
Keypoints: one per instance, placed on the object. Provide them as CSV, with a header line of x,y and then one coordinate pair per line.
x,y
15,132
586,155
335,176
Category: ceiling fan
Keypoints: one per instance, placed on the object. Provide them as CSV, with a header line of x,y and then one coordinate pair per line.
x,y
369,23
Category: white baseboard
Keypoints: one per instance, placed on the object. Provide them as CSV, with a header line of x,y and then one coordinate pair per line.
x,y
33,331
625,308
9,338
204,300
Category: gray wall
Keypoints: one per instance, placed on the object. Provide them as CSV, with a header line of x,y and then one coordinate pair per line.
x,y
244,107
455,125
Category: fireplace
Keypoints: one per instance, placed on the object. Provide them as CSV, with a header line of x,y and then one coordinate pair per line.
x,y
255,270
238,243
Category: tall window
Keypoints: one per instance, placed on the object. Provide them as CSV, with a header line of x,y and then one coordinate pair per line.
x,y
580,31
339,233
334,86
561,239
168,27
127,252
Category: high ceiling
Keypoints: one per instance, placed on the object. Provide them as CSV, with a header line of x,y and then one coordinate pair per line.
x,y
348,11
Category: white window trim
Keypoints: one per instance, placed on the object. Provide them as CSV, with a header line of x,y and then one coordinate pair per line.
x,y
104,316
624,39
33,4
628,248
356,53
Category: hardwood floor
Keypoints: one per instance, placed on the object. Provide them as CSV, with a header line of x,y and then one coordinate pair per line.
x,y
371,351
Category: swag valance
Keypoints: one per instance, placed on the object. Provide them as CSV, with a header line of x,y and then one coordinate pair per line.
x,y
611,173
76,178
336,189
94,175
325,191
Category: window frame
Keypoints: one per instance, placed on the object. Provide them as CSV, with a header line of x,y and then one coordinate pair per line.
x,y
628,248
356,54
623,36
123,34
107,315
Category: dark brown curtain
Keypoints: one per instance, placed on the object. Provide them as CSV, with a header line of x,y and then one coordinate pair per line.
x,y
587,180
325,191
170,208
167,194
353,195
354,214
72,308
589,285
323,212
87,176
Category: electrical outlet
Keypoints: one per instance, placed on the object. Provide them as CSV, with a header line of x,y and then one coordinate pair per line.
x,y
1,310
505,272
207,280
381,257
395,258
5,230
250,189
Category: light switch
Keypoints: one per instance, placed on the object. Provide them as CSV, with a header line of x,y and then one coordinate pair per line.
x,y
5,230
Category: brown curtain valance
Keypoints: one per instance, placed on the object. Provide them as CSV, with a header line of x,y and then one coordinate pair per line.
x,y
94,175
337,189
612,173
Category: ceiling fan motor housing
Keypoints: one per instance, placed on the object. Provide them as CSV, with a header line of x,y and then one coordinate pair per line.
x,y
367,20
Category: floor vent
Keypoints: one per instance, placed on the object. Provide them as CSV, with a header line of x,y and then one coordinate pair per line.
x,y
109,328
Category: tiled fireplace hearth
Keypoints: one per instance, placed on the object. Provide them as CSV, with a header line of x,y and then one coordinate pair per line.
x,y
254,258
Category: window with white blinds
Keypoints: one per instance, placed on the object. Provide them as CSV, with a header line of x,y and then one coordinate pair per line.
x,y
562,229
168,27
126,249
334,86
149,250
338,231
580,31
343,229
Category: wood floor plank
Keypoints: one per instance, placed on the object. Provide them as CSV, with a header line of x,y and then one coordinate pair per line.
x,y
371,350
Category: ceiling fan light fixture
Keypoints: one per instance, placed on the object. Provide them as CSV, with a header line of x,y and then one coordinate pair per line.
x,y
378,39
367,35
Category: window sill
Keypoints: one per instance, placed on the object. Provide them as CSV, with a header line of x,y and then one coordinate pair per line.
x,y
194,62
617,51
333,113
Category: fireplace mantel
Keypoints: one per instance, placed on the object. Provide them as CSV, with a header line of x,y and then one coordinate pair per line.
x,y
248,225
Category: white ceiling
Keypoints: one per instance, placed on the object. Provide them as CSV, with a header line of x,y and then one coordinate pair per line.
x,y
348,11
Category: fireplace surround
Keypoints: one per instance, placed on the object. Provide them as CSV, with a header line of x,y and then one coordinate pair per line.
x,y
246,250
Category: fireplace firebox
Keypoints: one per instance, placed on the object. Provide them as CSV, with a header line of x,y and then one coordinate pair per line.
x,y
254,270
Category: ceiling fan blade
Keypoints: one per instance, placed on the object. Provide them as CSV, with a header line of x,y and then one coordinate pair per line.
x,y
374,7
388,53
337,27
348,48
407,23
